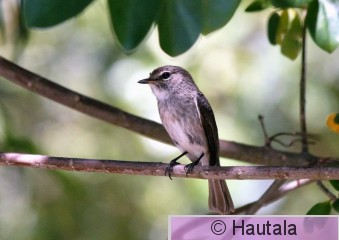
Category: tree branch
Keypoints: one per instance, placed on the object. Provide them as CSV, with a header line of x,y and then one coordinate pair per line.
x,y
284,190
37,84
265,197
158,169
327,192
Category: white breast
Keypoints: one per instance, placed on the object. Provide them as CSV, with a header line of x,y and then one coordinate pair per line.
x,y
182,142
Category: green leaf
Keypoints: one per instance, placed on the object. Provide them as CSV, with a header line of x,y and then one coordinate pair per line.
x,y
132,20
335,205
336,118
257,5
283,27
290,3
322,208
16,144
323,23
291,45
335,184
46,13
217,13
179,25
272,28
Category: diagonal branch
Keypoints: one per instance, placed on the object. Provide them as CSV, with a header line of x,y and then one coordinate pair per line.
x,y
44,87
284,190
274,187
158,169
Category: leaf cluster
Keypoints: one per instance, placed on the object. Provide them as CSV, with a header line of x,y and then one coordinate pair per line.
x,y
179,22
286,22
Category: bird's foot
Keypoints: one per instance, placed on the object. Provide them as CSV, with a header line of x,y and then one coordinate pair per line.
x,y
170,166
189,167
173,163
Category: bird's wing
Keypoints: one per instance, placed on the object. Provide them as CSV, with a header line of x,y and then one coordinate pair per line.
x,y
210,127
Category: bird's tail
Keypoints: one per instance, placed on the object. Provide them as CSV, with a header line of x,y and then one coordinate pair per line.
x,y
220,200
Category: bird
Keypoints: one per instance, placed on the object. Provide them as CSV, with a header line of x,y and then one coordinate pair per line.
x,y
189,121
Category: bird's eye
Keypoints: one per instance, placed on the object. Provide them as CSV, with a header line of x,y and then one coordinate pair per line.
x,y
165,75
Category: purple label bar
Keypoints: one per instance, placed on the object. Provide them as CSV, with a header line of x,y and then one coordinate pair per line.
x,y
255,227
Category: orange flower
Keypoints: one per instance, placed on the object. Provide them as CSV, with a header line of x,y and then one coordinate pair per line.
x,y
332,122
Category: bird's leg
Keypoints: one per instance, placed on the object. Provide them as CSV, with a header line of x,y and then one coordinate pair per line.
x,y
172,163
189,167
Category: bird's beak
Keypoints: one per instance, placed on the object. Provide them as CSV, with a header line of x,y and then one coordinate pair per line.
x,y
144,81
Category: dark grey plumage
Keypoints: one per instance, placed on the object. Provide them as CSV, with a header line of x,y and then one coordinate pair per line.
x,y
189,120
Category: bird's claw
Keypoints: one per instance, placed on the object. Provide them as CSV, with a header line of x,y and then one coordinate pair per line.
x,y
189,168
169,168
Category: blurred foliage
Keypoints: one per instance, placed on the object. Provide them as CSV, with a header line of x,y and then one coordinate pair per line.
x,y
180,22
285,29
13,30
41,13
335,184
285,25
335,205
322,208
236,68
323,23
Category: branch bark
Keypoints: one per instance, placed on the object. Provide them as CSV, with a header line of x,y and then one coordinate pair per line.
x,y
44,87
158,169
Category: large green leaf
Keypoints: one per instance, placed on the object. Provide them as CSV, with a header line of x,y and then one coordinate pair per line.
x,y
335,205
291,45
335,184
272,27
258,5
290,3
132,20
46,13
323,23
285,29
322,208
282,26
217,13
179,25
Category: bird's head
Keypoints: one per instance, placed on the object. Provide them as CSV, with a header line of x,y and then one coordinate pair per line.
x,y
164,80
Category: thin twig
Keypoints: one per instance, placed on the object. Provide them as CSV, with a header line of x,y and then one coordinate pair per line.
x,y
274,138
325,190
158,169
283,191
267,138
261,202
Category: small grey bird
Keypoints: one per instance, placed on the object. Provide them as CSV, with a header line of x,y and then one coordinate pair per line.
x,y
189,120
